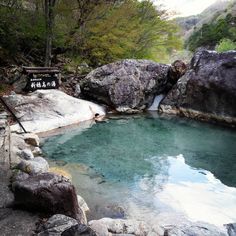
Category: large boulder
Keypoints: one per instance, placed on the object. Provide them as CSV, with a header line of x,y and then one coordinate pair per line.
x,y
44,110
130,85
207,90
49,193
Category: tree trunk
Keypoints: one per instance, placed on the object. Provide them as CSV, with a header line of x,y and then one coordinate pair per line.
x,y
49,16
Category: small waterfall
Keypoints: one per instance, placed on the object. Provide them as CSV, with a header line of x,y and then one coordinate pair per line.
x,y
156,102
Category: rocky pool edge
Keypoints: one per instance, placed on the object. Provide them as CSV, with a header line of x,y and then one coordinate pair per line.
x,y
22,153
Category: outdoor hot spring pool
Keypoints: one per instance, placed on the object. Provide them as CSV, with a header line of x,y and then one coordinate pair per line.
x,y
148,166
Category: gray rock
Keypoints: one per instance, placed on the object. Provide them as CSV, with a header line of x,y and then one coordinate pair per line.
x,y
231,228
3,116
120,226
50,193
19,175
83,205
34,166
77,90
130,85
26,154
207,90
3,123
99,228
17,145
20,84
37,151
12,222
55,225
79,229
172,224
122,234
133,227
18,141
192,229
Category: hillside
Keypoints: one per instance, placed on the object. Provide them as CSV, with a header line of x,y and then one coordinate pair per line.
x,y
86,31
218,10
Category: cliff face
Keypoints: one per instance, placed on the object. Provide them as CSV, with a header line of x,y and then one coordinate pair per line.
x,y
207,90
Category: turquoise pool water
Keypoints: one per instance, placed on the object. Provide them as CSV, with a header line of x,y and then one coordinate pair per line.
x,y
150,165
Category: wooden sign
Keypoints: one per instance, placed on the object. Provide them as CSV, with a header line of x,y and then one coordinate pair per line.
x,y
41,78
42,83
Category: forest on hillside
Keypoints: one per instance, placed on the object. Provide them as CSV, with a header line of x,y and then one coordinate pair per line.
x,y
214,28
99,32
94,32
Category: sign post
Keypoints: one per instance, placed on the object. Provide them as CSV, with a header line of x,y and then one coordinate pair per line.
x,y
41,78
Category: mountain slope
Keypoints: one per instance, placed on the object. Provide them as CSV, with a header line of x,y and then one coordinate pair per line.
x,y
214,12
207,29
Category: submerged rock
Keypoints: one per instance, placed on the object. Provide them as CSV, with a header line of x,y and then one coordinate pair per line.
x,y
113,211
131,85
49,193
207,90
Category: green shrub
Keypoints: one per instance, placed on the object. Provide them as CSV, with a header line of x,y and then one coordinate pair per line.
x,y
225,45
131,29
211,34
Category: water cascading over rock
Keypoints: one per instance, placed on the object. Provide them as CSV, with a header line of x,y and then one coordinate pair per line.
x,y
131,85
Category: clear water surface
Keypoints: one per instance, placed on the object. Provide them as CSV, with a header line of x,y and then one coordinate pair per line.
x,y
149,166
